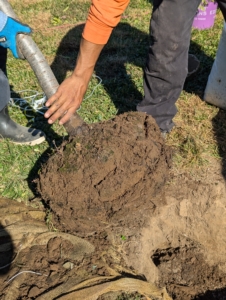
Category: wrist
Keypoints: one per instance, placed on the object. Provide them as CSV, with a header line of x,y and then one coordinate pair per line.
x,y
83,72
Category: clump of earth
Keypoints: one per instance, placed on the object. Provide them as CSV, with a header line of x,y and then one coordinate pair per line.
x,y
107,176
125,224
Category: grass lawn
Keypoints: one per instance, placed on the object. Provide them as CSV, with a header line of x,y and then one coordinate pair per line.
x,y
57,26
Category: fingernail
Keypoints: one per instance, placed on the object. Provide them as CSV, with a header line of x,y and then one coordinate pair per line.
x,y
50,121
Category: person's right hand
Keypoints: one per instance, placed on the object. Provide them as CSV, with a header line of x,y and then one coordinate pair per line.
x,y
64,103
9,33
70,93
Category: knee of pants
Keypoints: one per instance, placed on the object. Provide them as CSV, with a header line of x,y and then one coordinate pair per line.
x,y
3,79
5,90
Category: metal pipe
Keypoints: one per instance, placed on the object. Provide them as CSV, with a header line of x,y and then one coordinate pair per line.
x,y
29,50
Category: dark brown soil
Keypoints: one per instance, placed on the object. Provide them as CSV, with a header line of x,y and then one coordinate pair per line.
x,y
109,176
187,275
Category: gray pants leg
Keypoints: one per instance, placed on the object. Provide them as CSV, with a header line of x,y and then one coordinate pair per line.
x,y
222,6
167,62
5,90
4,84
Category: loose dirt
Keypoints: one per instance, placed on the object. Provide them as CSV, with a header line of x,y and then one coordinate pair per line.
x,y
129,225
38,264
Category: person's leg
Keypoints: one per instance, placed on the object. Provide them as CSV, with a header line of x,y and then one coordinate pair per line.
x,y
222,6
3,59
4,85
5,91
16,133
8,128
167,63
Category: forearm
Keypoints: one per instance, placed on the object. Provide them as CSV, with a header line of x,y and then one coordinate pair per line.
x,y
87,58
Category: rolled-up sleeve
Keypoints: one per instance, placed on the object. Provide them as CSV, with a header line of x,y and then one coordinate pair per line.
x,y
103,16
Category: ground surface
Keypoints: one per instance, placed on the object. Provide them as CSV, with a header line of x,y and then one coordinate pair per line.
x,y
124,218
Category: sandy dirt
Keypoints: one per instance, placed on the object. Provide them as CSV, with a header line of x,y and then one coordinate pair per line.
x,y
183,247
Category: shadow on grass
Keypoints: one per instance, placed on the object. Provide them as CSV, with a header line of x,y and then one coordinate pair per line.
x,y
111,64
53,139
128,45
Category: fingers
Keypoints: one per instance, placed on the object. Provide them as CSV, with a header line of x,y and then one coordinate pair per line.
x,y
57,111
14,50
55,107
26,29
22,28
63,104
52,99
60,108
67,115
62,114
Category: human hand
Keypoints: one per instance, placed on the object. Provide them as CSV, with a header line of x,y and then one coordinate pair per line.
x,y
67,99
70,93
9,33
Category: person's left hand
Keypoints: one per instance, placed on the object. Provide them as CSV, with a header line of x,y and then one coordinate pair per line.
x,y
9,33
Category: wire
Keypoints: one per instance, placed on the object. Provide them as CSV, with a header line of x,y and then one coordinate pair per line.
x,y
34,101
32,272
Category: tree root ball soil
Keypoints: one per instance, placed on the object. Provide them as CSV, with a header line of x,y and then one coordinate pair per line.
x,y
107,176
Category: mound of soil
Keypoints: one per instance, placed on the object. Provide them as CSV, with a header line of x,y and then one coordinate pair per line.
x,y
108,176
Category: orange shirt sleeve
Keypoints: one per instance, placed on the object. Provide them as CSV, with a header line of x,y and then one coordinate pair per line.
x,y
103,16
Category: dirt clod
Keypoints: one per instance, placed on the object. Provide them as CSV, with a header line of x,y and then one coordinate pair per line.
x,y
106,177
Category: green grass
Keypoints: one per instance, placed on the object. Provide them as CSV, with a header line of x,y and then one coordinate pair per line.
x,y
57,27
